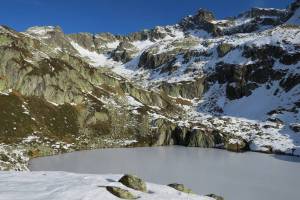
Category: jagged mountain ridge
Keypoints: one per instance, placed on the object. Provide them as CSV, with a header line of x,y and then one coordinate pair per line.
x,y
202,82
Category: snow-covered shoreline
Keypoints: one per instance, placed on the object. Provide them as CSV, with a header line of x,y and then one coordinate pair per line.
x,y
63,185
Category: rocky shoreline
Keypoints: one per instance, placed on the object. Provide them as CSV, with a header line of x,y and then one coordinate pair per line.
x,y
16,157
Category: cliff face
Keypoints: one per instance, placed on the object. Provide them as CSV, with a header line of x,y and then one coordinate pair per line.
x,y
203,82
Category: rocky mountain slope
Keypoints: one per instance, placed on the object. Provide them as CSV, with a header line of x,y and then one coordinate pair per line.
x,y
232,83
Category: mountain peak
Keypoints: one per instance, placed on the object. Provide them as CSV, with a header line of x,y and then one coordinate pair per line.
x,y
204,15
43,30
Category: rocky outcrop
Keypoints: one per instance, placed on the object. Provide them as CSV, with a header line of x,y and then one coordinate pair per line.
x,y
223,49
133,182
241,80
152,60
152,34
261,12
124,52
187,136
292,9
187,89
202,20
200,138
85,40
257,18
290,82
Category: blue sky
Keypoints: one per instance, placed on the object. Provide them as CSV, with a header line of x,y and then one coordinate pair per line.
x,y
116,16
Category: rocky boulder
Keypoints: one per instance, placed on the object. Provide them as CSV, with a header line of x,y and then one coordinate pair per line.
x,y
236,145
181,188
4,157
216,197
133,182
121,193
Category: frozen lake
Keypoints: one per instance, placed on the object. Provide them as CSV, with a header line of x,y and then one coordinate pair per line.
x,y
235,176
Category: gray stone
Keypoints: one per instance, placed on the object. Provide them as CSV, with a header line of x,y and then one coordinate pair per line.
x,y
216,197
181,188
121,193
133,182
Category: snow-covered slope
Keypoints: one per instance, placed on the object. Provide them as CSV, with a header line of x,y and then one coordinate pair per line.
x,y
62,186
201,58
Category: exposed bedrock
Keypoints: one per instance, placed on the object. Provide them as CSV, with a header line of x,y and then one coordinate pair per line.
x,y
185,89
171,134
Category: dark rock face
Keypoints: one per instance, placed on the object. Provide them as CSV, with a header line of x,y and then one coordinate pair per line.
x,y
236,91
202,20
189,90
290,59
244,28
236,79
148,60
200,138
263,53
290,82
203,15
123,52
133,182
55,37
152,34
195,53
268,52
196,137
292,8
85,40
295,127
168,133
241,80
260,12
259,17
223,49
4,157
